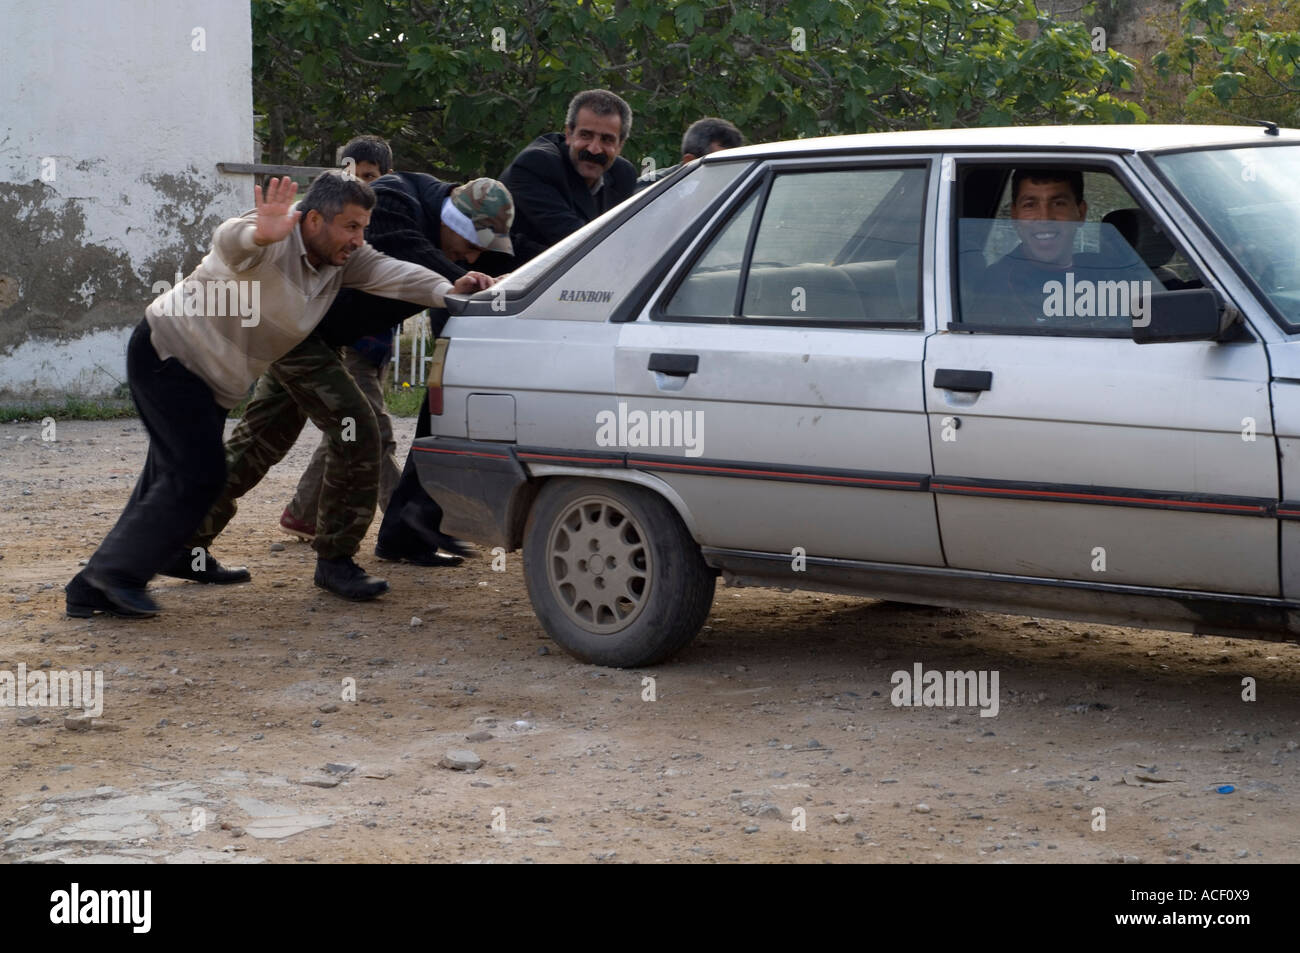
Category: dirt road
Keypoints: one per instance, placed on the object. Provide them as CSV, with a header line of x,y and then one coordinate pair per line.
x,y
771,738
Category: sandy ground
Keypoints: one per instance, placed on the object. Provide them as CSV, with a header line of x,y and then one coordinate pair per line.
x,y
771,738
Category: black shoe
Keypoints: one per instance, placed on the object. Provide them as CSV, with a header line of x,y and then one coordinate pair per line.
x,y
85,598
417,557
457,546
345,578
212,571
416,537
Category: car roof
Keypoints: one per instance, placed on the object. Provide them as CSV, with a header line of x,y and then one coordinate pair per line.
x,y
1098,138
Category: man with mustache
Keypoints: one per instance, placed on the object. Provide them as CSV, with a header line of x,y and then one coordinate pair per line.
x,y
564,180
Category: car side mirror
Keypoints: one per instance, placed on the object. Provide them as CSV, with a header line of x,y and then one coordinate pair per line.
x,y
1193,314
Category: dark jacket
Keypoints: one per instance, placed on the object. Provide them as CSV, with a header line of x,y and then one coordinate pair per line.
x,y
406,223
552,200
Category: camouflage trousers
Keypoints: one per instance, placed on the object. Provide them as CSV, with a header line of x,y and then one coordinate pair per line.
x,y
370,379
310,382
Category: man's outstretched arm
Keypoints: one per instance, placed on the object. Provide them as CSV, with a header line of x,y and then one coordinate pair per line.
x,y
360,312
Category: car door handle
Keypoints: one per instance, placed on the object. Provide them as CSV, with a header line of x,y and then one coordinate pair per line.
x,y
951,379
678,365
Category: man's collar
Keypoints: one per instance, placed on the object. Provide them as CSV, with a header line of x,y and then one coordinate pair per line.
x,y
299,246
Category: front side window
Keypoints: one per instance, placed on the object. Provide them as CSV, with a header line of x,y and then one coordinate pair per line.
x,y
1058,250
838,247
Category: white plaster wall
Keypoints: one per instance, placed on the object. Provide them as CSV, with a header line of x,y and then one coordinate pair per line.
x,y
93,364
135,120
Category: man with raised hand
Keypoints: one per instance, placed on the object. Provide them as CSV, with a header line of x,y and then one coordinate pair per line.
x,y
416,218
189,363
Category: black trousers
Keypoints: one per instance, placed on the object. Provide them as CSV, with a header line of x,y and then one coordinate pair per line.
x,y
412,518
183,474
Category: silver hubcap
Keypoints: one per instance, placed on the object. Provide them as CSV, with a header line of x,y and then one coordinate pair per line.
x,y
598,563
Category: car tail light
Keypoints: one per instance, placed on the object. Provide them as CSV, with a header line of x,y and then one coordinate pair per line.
x,y
435,375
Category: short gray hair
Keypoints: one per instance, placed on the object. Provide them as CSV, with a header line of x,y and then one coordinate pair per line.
x,y
705,132
603,103
332,190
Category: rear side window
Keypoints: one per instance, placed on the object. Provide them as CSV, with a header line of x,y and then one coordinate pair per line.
x,y
710,290
586,276
837,247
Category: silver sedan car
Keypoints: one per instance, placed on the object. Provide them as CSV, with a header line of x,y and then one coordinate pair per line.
x,y
1050,371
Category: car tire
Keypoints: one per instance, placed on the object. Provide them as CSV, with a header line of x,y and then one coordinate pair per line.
x,y
613,574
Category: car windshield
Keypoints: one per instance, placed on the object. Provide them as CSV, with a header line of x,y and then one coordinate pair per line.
x,y
1249,200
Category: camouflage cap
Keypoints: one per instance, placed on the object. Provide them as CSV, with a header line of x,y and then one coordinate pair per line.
x,y
488,205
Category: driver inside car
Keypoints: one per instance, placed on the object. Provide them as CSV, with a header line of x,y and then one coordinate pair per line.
x,y
1038,282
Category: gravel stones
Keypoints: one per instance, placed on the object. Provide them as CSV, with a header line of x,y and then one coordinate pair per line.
x,y
460,759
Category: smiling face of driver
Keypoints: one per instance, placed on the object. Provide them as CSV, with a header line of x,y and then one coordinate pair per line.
x,y
1046,216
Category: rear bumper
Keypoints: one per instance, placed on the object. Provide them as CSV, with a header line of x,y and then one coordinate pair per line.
x,y
477,485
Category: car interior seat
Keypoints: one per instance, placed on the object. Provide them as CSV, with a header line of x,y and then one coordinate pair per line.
x,y
1151,244
829,294
709,294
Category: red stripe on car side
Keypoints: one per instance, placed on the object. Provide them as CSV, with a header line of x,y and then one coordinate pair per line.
x,y
1249,508
870,481
781,473
463,453
556,456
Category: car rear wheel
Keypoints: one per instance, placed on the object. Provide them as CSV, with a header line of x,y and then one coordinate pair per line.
x,y
614,577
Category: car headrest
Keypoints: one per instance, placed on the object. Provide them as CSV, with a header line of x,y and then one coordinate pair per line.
x,y
1152,245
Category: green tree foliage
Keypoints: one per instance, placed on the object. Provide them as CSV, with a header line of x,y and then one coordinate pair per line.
x,y
461,87
1228,64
